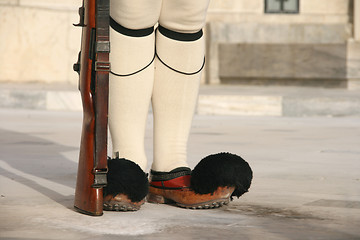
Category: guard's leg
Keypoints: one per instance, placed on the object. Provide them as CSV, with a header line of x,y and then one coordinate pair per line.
x,y
132,41
132,72
180,48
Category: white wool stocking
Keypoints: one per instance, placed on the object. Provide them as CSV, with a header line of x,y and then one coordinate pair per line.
x,y
174,98
174,94
129,96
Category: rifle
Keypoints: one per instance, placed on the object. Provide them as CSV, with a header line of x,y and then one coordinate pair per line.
x,y
93,68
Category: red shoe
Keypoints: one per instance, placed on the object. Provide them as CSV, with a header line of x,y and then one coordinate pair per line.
x,y
174,187
212,183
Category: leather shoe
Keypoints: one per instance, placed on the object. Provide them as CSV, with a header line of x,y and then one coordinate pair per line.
x,y
174,187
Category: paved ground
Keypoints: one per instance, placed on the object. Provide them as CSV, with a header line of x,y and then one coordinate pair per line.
x,y
306,181
214,99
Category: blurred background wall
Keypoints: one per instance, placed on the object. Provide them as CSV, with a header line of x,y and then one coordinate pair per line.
x,y
306,42
287,42
38,41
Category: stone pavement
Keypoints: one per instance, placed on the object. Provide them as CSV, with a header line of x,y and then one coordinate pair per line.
x,y
214,99
306,180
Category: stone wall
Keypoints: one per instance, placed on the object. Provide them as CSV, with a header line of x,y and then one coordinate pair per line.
x,y
249,46
311,11
38,41
285,51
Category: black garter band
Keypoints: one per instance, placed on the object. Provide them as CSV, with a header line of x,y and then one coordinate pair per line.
x,y
130,32
184,37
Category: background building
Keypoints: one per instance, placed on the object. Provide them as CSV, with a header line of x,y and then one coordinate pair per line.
x,y
312,42
289,42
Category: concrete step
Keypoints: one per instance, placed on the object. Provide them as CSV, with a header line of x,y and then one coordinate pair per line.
x,y
213,99
279,101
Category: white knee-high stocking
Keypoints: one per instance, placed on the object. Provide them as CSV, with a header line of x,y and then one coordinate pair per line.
x,y
177,78
174,94
130,94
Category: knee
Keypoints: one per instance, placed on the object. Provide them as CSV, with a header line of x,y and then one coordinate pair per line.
x,y
182,16
135,14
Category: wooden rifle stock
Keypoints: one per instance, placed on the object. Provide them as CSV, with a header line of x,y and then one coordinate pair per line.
x,y
93,67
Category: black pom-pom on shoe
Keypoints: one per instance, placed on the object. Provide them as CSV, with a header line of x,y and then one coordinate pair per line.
x,y
126,177
221,170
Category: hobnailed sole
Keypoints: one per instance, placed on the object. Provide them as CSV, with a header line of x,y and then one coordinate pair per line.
x,y
121,203
207,205
215,203
120,206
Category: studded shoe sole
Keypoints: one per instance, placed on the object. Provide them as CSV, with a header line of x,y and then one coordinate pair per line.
x,y
121,203
187,198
